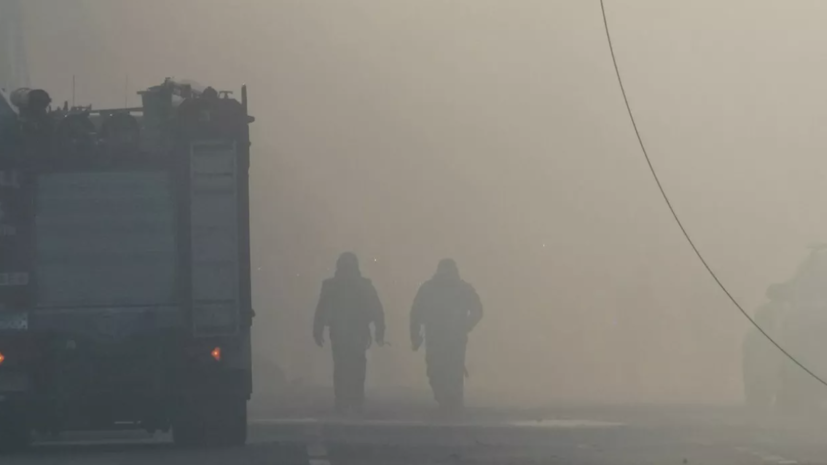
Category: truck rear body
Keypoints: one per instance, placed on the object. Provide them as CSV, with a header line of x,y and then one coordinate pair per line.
x,y
124,262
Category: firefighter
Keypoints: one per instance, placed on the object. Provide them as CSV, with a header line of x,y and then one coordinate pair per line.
x,y
448,308
348,304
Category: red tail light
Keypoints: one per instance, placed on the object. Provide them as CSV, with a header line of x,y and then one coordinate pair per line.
x,y
216,354
2,358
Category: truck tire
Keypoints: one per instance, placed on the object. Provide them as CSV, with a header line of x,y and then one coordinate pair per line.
x,y
186,432
188,423
221,424
231,428
14,429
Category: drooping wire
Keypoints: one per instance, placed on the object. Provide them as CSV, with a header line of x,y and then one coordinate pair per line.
x,y
675,214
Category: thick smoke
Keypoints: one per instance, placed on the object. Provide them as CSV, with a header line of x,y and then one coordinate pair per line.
x,y
13,62
494,133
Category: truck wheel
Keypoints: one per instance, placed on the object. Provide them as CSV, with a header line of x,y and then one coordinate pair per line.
x,y
222,424
236,425
229,426
187,434
14,429
188,425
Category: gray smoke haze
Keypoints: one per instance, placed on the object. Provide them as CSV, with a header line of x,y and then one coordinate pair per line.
x,y
494,132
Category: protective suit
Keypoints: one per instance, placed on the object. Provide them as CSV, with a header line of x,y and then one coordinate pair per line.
x,y
348,304
448,308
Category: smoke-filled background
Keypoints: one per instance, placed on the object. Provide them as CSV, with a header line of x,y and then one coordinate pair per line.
x,y
494,132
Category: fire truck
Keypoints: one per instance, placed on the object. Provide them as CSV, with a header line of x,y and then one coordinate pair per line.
x,y
125,266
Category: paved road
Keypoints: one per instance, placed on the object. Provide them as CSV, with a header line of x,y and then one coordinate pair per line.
x,y
693,437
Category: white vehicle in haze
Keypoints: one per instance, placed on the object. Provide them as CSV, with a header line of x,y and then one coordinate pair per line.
x,y
803,333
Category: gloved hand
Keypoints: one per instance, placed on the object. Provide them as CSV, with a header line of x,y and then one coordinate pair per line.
x,y
319,338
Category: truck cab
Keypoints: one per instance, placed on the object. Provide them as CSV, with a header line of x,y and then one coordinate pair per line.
x,y
125,266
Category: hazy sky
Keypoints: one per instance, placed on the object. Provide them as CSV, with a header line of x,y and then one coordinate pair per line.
x,y
494,132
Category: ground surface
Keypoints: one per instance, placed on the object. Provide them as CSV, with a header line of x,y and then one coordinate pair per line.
x,y
584,435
